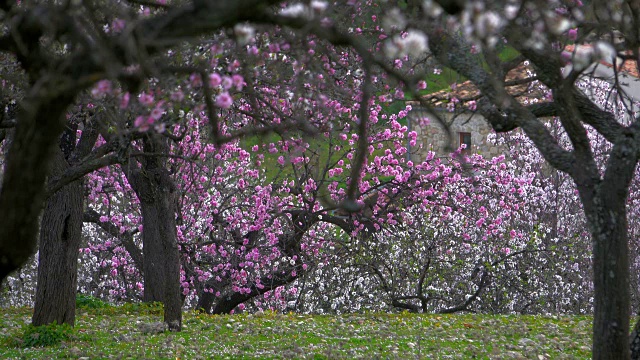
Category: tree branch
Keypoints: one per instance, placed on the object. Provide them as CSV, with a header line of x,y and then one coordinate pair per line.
x,y
79,171
126,238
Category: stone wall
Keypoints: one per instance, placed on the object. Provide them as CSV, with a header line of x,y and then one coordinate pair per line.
x,y
433,137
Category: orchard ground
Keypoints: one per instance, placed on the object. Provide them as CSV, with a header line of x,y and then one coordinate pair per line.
x,y
135,331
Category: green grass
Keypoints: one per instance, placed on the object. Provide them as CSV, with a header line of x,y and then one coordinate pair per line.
x,y
119,332
443,81
40,336
90,302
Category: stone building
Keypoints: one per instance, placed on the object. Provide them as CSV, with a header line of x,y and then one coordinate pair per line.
x,y
466,127
455,107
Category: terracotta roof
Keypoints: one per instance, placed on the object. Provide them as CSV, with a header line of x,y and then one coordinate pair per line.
x,y
520,82
629,67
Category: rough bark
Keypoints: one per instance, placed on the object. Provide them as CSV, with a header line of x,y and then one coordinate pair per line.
x,y
607,217
611,281
635,341
61,233
155,190
39,124
60,236
22,193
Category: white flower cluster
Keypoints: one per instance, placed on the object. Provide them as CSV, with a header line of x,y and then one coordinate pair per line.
x,y
412,43
316,7
487,25
583,56
244,33
394,20
557,23
295,10
432,8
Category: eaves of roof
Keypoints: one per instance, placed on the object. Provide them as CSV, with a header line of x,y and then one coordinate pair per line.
x,y
628,67
520,82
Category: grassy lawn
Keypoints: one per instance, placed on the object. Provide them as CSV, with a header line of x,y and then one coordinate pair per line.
x,y
130,332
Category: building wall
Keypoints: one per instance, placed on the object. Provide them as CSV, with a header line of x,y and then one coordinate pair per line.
x,y
433,137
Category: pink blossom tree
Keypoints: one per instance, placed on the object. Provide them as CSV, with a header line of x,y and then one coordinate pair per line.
x,y
539,34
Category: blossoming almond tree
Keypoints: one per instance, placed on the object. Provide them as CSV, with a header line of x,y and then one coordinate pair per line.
x,y
75,43
203,227
538,30
73,39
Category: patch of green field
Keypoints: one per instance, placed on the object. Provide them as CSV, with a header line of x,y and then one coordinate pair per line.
x,y
443,81
323,156
123,332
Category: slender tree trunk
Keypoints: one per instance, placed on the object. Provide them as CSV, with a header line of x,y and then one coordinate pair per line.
x,y
60,236
155,190
229,300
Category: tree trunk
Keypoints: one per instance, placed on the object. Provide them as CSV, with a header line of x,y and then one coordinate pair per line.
x,y
154,255
161,259
611,281
635,341
60,236
155,190
22,190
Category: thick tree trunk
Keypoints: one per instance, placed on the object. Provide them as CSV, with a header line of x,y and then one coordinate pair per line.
x,y
155,190
635,341
161,259
22,191
60,236
153,239
611,281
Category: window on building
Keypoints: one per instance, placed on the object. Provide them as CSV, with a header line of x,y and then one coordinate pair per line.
x,y
465,138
